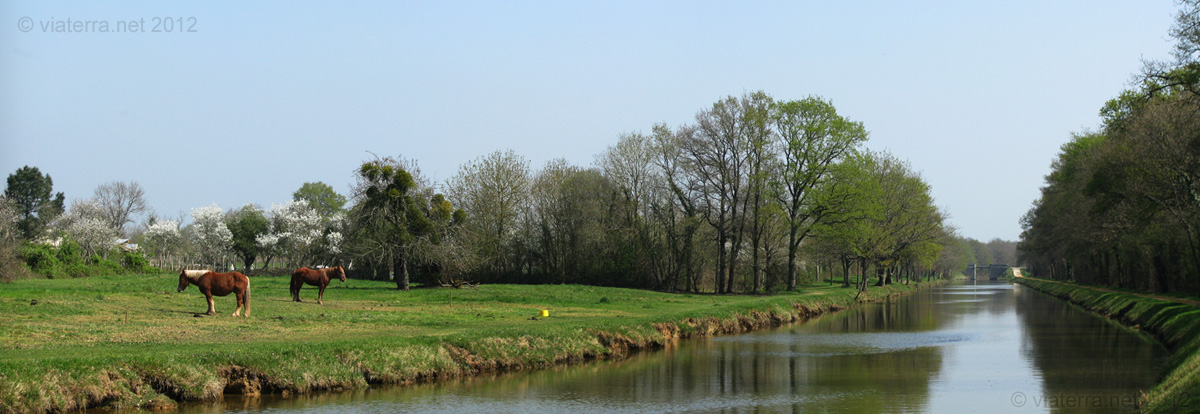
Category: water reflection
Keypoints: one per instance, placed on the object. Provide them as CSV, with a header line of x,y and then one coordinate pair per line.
x,y
978,348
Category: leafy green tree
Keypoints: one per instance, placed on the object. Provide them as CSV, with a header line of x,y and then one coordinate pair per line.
x,y
30,192
811,136
321,197
246,225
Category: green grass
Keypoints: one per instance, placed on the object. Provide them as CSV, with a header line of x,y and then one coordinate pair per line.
x,y
131,341
1176,325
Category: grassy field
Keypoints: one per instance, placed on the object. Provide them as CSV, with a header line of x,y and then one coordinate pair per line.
x,y
1177,325
132,341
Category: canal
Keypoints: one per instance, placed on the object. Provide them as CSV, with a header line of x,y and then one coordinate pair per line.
x,y
987,348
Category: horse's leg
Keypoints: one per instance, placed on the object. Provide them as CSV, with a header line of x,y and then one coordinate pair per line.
x,y
212,309
296,284
321,294
240,300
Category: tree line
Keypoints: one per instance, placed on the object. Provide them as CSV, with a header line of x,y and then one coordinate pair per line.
x,y
755,195
1121,205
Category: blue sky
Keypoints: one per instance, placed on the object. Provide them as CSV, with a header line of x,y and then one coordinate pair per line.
x,y
261,98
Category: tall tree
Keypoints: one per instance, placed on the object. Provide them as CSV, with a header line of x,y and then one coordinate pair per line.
x,y
30,192
387,214
246,225
756,109
675,206
120,202
811,136
209,235
494,190
717,153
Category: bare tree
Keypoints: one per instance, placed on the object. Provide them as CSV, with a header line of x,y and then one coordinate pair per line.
x,y
494,189
119,202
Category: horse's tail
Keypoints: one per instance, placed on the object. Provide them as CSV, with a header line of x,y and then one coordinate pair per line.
x,y
247,304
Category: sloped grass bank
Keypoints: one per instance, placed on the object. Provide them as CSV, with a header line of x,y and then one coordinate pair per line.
x,y
1176,325
130,341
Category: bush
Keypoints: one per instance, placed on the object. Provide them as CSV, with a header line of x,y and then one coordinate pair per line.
x,y
134,262
68,252
65,261
40,258
101,266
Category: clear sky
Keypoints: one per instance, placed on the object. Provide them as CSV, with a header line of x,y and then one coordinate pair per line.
x,y
264,96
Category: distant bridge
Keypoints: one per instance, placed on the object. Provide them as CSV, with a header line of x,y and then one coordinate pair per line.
x,y
991,272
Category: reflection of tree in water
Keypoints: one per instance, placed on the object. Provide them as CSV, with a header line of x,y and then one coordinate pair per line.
x,y
1080,354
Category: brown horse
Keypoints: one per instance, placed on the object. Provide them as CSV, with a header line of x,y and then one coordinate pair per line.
x,y
315,277
220,284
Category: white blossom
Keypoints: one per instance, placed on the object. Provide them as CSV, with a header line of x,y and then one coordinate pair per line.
x,y
333,242
296,228
209,233
85,223
163,236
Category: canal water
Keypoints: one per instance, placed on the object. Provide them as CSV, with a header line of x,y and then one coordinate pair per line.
x,y
984,348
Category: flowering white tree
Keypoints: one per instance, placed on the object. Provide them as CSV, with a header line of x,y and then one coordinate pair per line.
x,y
296,229
163,237
85,223
209,234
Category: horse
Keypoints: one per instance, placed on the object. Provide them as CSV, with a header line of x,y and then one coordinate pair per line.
x,y
221,284
315,277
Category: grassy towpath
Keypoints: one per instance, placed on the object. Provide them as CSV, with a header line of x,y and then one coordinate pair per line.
x,y
1185,301
132,341
1172,320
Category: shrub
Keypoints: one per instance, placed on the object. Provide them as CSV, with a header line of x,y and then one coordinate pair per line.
x,y
101,266
134,262
68,252
40,258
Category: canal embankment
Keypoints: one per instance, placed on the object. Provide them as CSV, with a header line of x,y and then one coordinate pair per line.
x,y
127,342
1174,322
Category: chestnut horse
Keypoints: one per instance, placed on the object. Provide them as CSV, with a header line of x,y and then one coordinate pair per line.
x,y
220,284
315,277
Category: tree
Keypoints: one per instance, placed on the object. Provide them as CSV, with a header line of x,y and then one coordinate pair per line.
x,y
87,223
759,161
119,202
494,190
296,233
675,208
29,190
908,216
386,215
163,238
209,234
320,196
811,137
246,225
717,153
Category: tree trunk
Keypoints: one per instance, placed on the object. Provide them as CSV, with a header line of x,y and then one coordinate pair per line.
x,y
401,271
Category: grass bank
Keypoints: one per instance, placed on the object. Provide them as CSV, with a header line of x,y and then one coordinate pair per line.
x,y
1177,325
131,341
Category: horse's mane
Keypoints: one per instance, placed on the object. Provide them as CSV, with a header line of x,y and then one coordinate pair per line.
x,y
195,274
